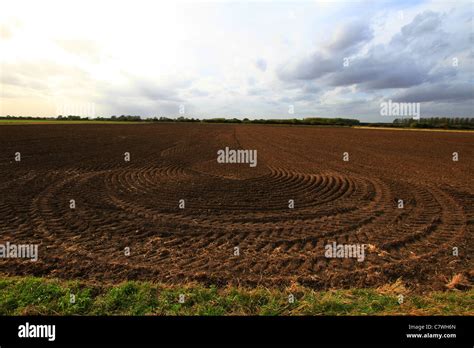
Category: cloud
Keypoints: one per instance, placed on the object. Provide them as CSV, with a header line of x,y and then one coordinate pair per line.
x,y
87,49
415,65
261,64
329,58
436,93
309,68
152,91
9,27
5,32
196,92
424,23
349,36
381,72
44,77
256,91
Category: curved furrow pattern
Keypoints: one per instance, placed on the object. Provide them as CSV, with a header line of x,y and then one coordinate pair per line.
x,y
237,225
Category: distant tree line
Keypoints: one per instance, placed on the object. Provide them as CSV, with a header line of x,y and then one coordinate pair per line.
x,y
294,121
130,118
433,122
437,122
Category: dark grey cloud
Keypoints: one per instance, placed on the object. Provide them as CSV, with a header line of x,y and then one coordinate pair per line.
x,y
310,68
350,35
424,38
311,87
330,58
414,66
373,71
311,97
436,93
426,22
380,72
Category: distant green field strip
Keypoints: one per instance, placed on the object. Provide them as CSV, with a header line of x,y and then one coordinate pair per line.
x,y
34,122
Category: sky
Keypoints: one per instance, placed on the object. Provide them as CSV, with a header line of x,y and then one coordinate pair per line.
x,y
254,59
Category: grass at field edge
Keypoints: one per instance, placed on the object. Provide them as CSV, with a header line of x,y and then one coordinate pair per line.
x,y
41,296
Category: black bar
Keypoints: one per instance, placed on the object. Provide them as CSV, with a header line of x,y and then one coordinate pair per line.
x,y
241,330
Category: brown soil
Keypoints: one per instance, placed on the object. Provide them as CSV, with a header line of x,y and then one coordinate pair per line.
x,y
135,204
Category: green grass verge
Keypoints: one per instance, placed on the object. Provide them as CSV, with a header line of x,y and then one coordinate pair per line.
x,y
39,296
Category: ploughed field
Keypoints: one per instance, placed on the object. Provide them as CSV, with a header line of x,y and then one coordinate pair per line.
x,y
136,204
